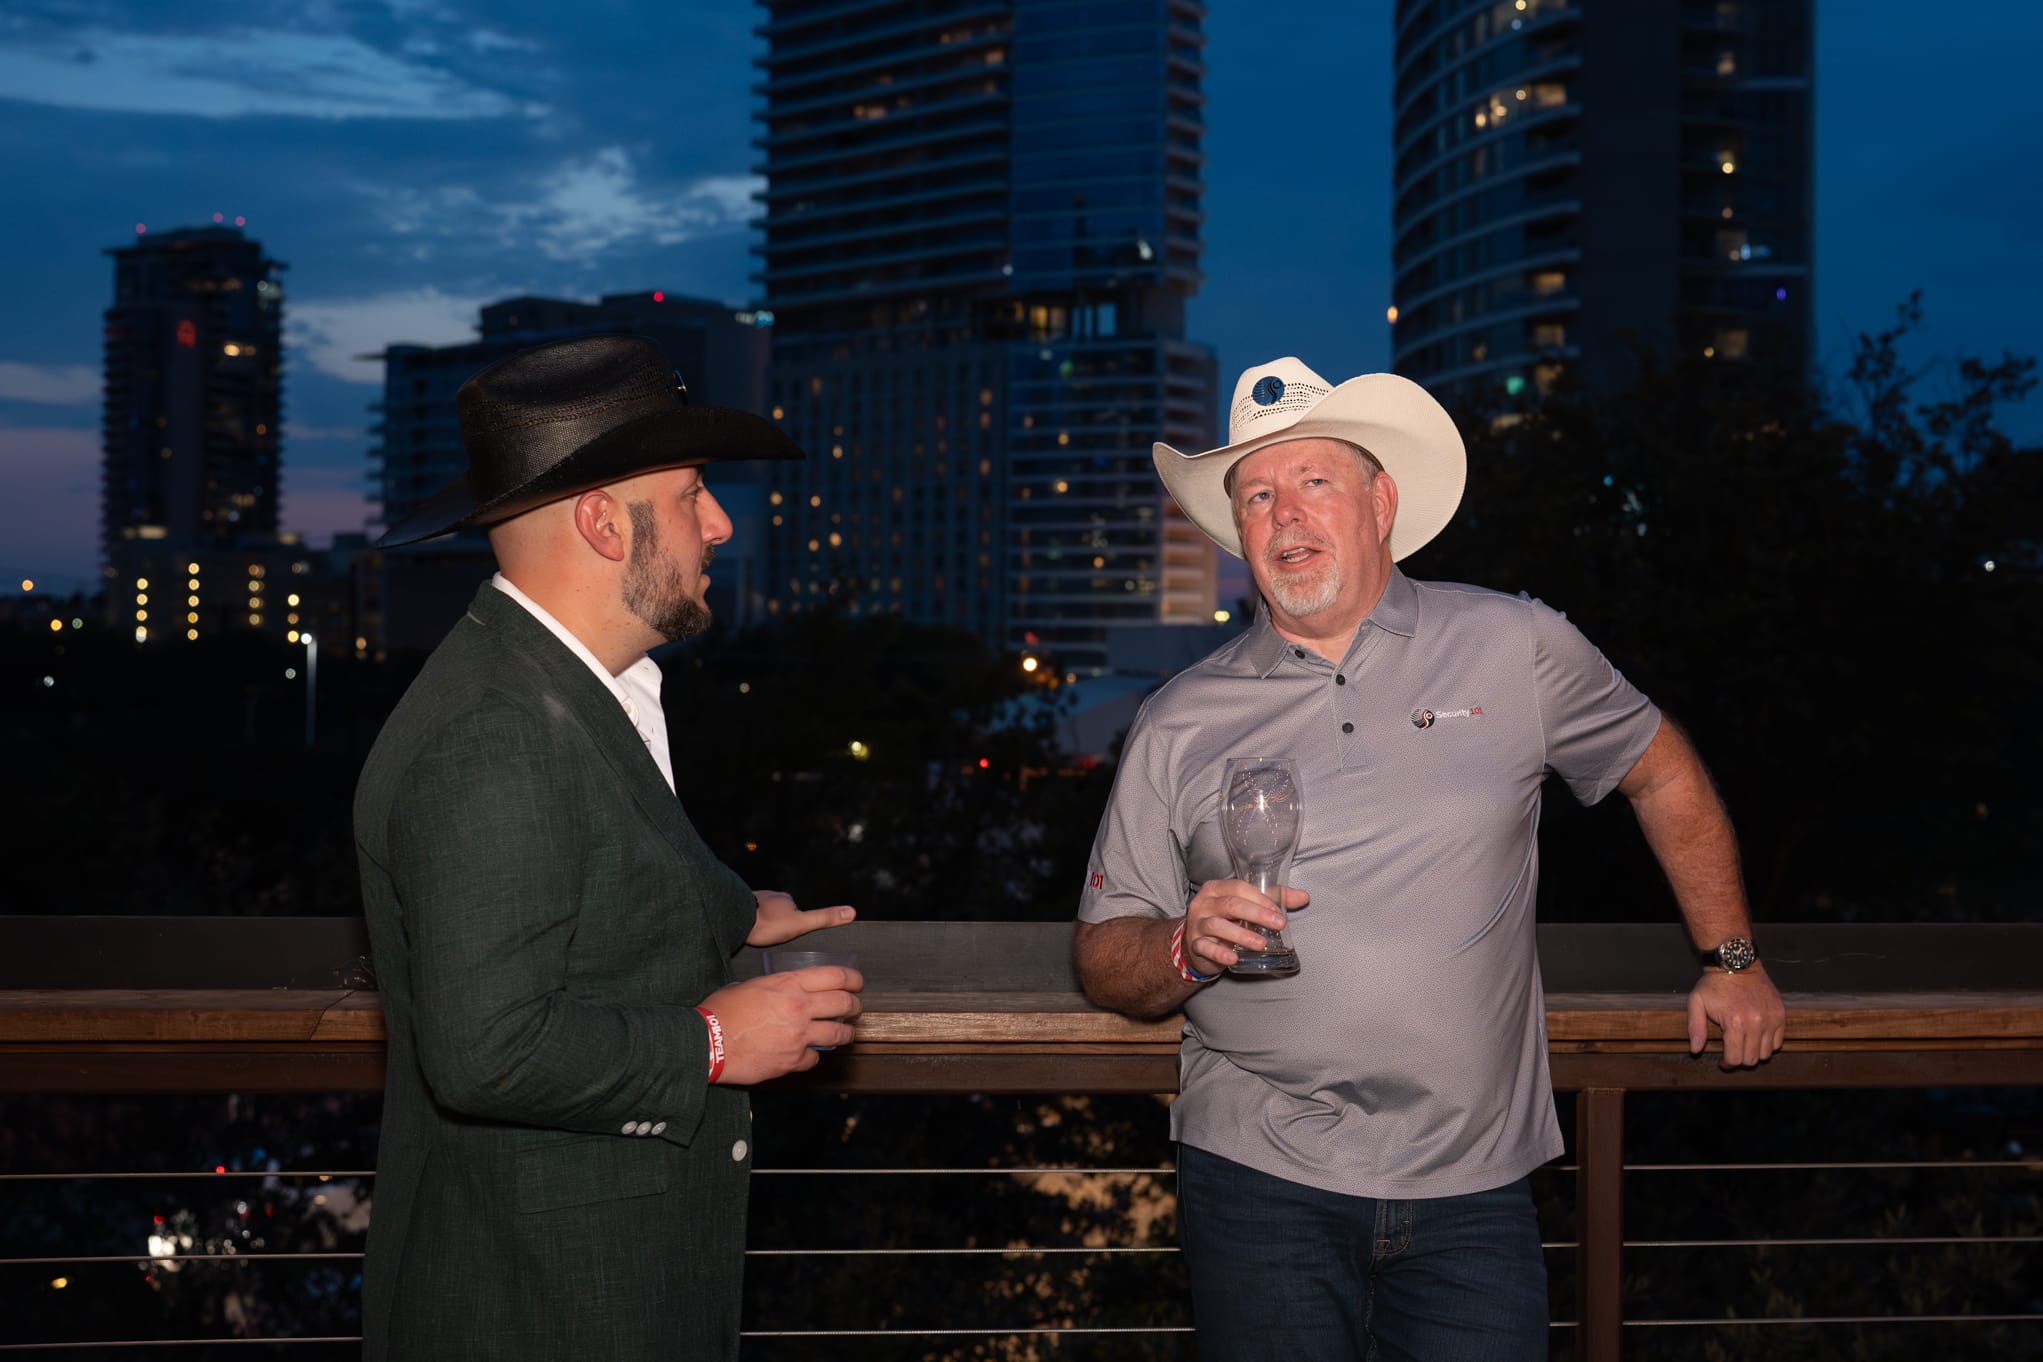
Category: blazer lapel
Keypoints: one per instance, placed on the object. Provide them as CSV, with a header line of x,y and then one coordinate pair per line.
x,y
595,709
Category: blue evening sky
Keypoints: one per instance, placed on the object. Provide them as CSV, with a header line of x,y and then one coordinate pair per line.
x,y
411,159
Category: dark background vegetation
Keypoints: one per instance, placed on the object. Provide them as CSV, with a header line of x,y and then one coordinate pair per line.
x,y
1839,594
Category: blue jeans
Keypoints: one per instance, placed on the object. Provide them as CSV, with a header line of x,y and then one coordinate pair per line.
x,y
1289,1273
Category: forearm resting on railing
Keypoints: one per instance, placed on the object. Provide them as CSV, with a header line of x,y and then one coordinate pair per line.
x,y
1125,965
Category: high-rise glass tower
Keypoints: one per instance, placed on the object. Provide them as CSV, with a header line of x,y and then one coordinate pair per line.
x,y
191,433
1580,181
194,391
981,231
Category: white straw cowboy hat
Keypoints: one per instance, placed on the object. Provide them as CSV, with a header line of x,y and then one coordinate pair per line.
x,y
1393,418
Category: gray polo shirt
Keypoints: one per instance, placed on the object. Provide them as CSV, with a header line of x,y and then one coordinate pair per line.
x,y
1407,1057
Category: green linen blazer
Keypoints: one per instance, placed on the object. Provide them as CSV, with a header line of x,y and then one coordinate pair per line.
x,y
555,1178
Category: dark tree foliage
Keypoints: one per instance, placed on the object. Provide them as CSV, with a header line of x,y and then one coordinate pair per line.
x,y
176,779
1843,613
867,760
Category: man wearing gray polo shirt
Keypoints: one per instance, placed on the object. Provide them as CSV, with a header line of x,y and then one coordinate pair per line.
x,y
1354,1139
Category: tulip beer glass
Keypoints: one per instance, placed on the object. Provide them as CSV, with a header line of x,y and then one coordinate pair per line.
x,y
1260,808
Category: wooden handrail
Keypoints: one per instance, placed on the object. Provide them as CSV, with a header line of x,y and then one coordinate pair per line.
x,y
204,1006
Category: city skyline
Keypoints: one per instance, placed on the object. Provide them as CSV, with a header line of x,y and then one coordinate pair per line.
x,y
411,164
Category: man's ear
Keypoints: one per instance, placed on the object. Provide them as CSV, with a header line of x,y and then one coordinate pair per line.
x,y
1383,493
600,521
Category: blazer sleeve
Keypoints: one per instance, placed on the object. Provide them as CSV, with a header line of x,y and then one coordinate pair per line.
x,y
484,837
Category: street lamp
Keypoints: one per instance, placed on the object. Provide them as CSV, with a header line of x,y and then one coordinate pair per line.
x,y
311,689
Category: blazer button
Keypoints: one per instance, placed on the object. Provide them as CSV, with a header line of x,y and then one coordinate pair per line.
x,y
739,1150
659,1127
645,1127
630,1128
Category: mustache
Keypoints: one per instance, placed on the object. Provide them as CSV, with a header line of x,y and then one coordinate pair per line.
x,y
708,556
1282,543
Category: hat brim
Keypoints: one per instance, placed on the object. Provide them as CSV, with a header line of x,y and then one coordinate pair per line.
x,y
1397,421
680,437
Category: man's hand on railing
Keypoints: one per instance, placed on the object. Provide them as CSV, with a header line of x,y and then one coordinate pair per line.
x,y
1746,1007
778,919
774,1024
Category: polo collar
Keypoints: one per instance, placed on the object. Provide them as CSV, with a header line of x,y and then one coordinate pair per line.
x,y
1396,612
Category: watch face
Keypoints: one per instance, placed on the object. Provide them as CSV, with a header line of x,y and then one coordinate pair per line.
x,y
1736,954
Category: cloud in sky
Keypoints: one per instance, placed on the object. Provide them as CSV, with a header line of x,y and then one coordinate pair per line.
x,y
240,73
574,212
62,385
596,204
333,334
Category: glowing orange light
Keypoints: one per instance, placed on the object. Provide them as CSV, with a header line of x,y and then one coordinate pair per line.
x,y
983,763
187,335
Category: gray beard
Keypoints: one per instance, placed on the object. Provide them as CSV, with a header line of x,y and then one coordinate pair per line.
x,y
1299,599
652,584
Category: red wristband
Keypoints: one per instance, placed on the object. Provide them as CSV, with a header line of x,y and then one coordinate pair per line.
x,y
1177,957
716,1044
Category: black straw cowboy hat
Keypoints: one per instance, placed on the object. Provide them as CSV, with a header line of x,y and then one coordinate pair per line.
x,y
559,419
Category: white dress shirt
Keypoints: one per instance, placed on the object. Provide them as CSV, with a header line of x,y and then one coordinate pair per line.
x,y
637,687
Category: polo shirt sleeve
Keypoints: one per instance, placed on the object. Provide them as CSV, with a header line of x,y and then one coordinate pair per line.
x,y
1595,724
1137,867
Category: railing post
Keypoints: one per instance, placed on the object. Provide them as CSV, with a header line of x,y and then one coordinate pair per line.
x,y
1599,1215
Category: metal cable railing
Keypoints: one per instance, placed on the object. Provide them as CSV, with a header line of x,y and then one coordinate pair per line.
x,y
1068,1252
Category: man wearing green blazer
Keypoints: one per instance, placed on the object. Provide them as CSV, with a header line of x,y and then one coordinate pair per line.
x,y
565,1147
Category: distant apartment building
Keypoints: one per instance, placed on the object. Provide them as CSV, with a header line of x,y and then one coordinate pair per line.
x,y
192,440
981,232
191,430
1580,181
419,590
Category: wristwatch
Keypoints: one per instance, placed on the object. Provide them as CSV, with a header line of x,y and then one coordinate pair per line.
x,y
1733,954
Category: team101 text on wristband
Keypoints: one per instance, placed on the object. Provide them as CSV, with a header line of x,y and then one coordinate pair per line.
x,y
1177,957
716,1043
